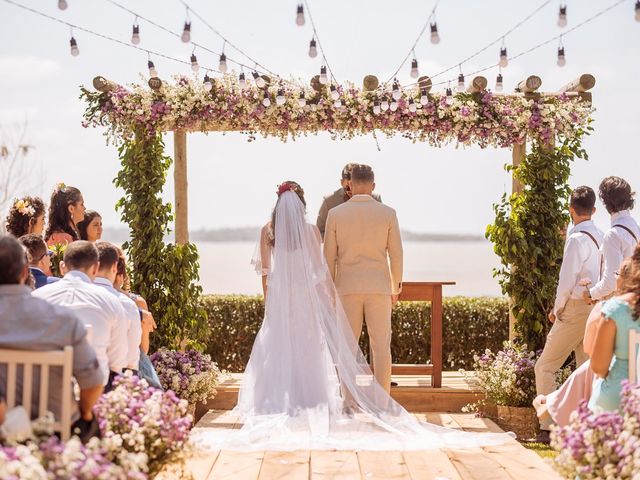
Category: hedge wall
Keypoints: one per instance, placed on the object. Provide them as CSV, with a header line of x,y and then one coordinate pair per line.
x,y
470,325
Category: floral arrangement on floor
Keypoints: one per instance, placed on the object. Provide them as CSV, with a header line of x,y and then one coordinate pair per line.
x,y
192,375
284,110
507,378
601,445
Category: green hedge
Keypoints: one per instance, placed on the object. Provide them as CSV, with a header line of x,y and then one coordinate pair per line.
x,y
470,325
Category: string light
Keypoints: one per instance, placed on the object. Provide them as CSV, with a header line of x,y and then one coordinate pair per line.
x,y
461,82
424,97
313,51
504,60
384,105
75,51
323,75
449,96
395,93
337,103
499,84
637,10
186,32
300,15
393,106
412,105
135,36
222,65
562,16
152,69
561,59
302,101
280,98
266,101
435,37
207,82
242,81
334,92
414,68
260,83
194,63
62,4
376,108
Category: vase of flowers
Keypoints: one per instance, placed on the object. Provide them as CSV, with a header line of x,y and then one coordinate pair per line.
x,y
507,379
192,375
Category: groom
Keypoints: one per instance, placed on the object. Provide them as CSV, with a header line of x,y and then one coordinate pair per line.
x,y
363,249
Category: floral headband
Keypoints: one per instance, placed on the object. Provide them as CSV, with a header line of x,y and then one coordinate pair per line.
x,y
24,208
61,186
286,186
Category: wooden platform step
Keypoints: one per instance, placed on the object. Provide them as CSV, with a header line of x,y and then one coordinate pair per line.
x,y
414,392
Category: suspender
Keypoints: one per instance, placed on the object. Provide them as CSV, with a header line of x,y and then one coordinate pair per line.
x,y
592,238
628,230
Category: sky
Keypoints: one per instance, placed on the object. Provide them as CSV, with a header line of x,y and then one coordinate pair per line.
x,y
232,182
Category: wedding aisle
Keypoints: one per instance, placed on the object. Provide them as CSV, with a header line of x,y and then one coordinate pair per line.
x,y
505,462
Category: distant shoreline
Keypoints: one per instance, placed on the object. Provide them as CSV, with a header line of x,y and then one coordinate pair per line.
x,y
250,234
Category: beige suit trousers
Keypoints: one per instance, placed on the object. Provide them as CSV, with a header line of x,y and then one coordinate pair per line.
x,y
376,309
565,336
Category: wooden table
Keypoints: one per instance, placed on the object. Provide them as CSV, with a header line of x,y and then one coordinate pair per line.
x,y
431,292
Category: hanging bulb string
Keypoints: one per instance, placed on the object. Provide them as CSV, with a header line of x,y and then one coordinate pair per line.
x,y
413,47
499,39
317,39
526,52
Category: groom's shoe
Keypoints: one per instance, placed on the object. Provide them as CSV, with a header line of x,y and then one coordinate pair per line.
x,y
394,384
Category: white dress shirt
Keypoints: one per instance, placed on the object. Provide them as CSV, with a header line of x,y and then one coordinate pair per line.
x,y
618,244
98,308
134,330
581,260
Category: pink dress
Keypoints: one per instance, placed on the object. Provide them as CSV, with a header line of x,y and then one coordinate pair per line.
x,y
59,238
562,402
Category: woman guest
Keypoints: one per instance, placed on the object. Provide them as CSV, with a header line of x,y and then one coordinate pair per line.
x,y
90,228
611,342
26,216
66,210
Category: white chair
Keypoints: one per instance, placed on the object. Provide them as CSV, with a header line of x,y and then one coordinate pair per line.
x,y
28,359
634,358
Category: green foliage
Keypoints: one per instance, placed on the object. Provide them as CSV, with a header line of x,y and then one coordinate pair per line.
x,y
470,325
527,235
165,275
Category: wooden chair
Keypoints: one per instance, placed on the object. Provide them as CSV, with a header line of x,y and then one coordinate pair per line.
x,y
28,359
634,358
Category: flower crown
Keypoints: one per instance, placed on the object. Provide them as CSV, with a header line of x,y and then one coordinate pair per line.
x,y
60,186
24,208
286,186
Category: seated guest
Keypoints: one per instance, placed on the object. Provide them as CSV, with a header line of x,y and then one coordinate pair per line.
x,y
106,276
619,315
26,216
90,228
39,258
93,305
29,323
65,211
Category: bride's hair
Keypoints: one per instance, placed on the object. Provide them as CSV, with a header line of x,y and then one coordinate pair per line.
x,y
284,187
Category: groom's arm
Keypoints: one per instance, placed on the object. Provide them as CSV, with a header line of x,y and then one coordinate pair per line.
x,y
331,245
394,247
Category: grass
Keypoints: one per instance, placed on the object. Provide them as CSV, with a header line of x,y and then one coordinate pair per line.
x,y
545,451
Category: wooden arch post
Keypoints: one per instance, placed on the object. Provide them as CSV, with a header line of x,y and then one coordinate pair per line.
x,y
181,187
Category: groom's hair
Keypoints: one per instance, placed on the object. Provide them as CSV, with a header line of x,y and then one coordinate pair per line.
x,y
583,199
362,174
616,194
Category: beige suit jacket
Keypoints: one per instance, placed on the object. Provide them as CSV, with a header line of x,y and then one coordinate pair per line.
x,y
332,201
363,247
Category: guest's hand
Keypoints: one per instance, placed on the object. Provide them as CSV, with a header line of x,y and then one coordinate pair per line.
x,y
587,298
552,317
394,299
148,323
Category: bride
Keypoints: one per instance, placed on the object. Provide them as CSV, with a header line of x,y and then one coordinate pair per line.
x,y
307,385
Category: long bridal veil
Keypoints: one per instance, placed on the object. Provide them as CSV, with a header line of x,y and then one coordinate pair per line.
x,y
307,385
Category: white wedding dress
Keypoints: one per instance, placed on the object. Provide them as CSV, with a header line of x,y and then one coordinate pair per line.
x,y
307,385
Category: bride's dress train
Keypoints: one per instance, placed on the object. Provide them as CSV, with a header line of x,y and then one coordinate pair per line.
x,y
307,385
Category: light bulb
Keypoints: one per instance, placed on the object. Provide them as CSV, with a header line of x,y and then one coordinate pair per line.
x,y
186,32
504,61
75,51
393,106
562,17
384,105
135,36
499,83
242,81
222,66
337,103
302,101
300,16
62,4
424,97
435,38
323,75
414,68
152,69
561,60
335,95
259,80
280,98
376,108
637,10
207,83
194,63
412,106
461,83
395,93
449,99
265,101
313,51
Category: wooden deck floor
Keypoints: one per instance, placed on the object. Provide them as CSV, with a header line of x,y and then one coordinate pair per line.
x,y
505,462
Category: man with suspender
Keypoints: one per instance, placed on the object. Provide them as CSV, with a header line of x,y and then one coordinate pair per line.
x,y
580,267
620,239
